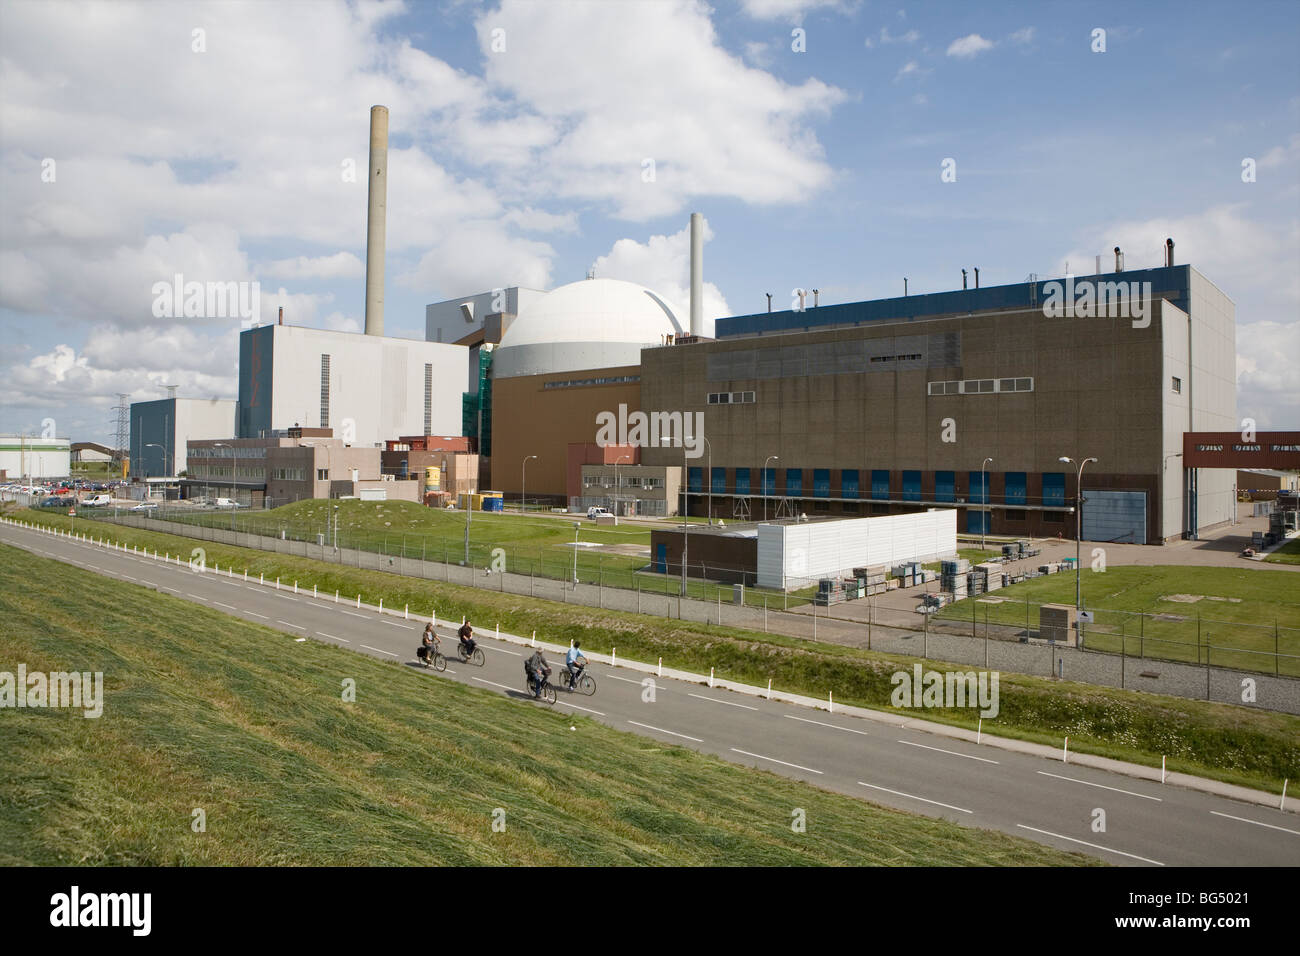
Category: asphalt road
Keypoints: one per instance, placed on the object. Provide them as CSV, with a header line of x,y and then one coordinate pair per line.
x,y
1146,823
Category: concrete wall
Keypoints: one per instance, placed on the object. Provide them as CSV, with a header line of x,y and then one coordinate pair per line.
x,y
34,458
1214,391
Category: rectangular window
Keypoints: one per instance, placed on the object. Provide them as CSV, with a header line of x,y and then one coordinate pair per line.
x,y
821,483
911,486
849,483
719,481
322,474
742,481
695,479
1054,516
428,398
945,486
1054,488
324,391
793,482
850,507
880,483
769,481
1178,384
1014,485
979,487
1015,515
821,506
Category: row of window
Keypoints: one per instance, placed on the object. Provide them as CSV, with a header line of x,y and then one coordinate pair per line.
x,y
1014,491
288,474
225,451
981,386
976,521
731,398
605,481
607,380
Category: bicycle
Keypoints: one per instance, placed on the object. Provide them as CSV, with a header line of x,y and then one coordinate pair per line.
x,y
432,658
476,658
547,691
586,683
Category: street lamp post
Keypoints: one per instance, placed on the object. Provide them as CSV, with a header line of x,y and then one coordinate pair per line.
x,y
984,498
577,527
1078,525
523,484
762,481
620,458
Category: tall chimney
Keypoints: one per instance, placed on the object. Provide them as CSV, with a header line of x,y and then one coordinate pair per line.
x,y
697,274
769,300
1119,260
376,220
280,320
977,277
1169,252
963,278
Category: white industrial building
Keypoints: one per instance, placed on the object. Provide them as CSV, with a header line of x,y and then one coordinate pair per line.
x,y
160,430
459,320
797,555
367,388
26,457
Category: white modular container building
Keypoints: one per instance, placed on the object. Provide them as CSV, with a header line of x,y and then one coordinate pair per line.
x,y
796,555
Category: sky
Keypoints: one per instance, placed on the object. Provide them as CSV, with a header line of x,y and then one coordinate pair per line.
x,y
533,141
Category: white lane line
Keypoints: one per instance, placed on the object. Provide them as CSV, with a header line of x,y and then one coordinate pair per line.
x,y
942,751
1095,846
727,702
231,606
354,614
823,724
150,583
627,680
285,596
378,650
92,566
565,703
660,730
333,638
495,684
774,760
127,576
912,796
1089,783
1256,822
403,626
254,613
288,624
195,596
502,650
173,590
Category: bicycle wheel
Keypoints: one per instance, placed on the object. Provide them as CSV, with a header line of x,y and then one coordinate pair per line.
x,y
478,656
439,662
565,678
587,685
548,693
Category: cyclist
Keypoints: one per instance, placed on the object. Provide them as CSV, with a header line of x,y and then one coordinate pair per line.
x,y
428,644
466,635
538,670
575,663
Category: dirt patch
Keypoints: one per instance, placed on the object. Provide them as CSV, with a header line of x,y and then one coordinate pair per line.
x,y
1182,598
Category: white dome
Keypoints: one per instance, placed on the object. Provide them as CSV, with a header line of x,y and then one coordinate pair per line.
x,y
593,323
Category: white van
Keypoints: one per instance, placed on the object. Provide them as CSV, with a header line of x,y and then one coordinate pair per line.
x,y
99,499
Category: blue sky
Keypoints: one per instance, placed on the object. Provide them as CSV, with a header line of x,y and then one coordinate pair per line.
x,y
524,165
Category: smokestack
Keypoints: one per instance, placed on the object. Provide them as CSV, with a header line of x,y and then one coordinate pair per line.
x,y
280,321
769,300
376,220
697,274
977,277
1119,260
1169,252
963,278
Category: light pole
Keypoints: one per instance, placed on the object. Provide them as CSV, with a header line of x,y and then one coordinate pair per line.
x,y
577,526
336,527
620,458
523,483
1078,524
984,498
762,481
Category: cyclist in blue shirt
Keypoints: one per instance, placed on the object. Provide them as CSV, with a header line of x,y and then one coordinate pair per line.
x,y
575,662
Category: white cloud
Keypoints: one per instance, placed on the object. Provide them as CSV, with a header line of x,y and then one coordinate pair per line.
x,y
910,68
479,256
663,265
969,46
793,10
341,265
911,36
1024,35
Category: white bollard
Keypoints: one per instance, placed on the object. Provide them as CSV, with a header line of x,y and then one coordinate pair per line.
x,y
1162,768
498,630
613,657
381,605
1283,803
277,582
336,595
534,644
245,575
661,668
313,590
295,587
769,688
261,577
830,702
979,733
710,676
358,602
406,613
1065,753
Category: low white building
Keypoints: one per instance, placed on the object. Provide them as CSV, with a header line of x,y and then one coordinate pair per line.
x,y
367,388
23,456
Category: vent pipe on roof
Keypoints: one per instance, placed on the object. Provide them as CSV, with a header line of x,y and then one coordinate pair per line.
x,y
769,300
1119,260
280,321
963,278
904,287
815,293
803,295
1169,252
376,220
697,274
977,277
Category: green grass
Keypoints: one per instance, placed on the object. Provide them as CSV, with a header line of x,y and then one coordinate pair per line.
x,y
207,711
1289,553
1253,748
1250,602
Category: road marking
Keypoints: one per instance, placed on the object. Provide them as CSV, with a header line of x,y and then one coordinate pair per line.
x,y
774,760
495,684
287,624
285,596
1095,846
1089,783
195,596
1256,822
407,627
231,606
942,751
504,651
254,613
576,707
727,702
911,796
832,726
332,637
150,583
660,730
354,614
378,650
92,566
127,576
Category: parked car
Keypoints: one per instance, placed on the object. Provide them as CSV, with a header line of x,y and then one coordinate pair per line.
x,y
146,506
593,513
